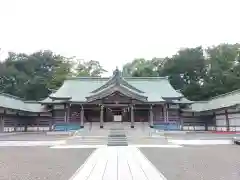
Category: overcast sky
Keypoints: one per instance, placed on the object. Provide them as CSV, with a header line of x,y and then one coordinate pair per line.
x,y
115,32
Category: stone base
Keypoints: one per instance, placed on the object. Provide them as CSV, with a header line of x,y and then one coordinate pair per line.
x,y
237,142
66,133
132,126
101,127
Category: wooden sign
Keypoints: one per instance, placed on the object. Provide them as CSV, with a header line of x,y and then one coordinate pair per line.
x,y
21,114
117,118
173,106
58,106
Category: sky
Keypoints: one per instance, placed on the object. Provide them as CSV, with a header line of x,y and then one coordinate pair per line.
x,y
115,32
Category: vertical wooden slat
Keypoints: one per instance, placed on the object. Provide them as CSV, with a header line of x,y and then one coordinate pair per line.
x,y
132,117
227,120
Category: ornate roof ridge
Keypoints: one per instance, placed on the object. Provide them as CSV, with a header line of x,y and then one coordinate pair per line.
x,y
125,77
117,79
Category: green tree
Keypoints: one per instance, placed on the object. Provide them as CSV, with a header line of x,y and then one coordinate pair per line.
x,y
223,70
88,68
34,76
141,68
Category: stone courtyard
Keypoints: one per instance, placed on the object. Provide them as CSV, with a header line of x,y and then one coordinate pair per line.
x,y
155,156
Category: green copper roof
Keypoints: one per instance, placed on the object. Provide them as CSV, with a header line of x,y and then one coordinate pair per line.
x,y
117,79
12,102
113,88
154,88
218,102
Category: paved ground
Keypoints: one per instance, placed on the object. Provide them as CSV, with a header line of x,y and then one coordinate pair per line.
x,y
201,136
216,162
31,137
34,163
221,162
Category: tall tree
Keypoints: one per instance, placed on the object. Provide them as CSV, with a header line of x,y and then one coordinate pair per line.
x,y
223,69
88,68
33,76
186,71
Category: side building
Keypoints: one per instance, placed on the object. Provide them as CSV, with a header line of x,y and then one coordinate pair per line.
x,y
19,115
220,113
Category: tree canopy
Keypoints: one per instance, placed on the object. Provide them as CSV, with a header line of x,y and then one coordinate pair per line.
x,y
34,76
199,73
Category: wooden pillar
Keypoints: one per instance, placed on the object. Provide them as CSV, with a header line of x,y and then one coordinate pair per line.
x,y
214,116
132,117
82,117
101,116
1,124
67,113
227,120
165,110
50,122
151,117
180,119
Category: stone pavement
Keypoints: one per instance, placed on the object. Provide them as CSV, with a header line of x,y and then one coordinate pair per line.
x,y
117,163
218,162
64,158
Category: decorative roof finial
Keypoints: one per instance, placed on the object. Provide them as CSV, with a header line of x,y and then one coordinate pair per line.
x,y
116,71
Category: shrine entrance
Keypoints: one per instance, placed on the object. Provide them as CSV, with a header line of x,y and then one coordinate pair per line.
x,y
114,114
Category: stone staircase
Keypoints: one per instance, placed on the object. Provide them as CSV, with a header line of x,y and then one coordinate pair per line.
x,y
117,137
88,140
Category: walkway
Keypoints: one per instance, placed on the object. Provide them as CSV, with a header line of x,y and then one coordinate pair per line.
x,y
117,163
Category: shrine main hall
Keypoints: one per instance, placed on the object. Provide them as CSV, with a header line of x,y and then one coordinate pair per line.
x,y
115,99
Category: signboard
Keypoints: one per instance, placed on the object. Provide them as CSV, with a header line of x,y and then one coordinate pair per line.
x,y
117,118
173,106
21,114
58,106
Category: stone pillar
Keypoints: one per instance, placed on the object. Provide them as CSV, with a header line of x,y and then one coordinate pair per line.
x,y
101,116
132,117
82,118
67,113
151,117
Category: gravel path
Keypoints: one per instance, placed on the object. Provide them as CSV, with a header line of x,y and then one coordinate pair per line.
x,y
220,162
40,163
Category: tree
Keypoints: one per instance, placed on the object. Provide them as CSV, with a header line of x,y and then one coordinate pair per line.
x,y
88,68
140,68
223,70
28,76
33,76
185,70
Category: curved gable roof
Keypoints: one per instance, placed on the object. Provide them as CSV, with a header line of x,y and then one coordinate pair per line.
x,y
154,88
116,88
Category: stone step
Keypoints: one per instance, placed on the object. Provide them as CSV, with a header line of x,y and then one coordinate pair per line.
x,y
117,142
